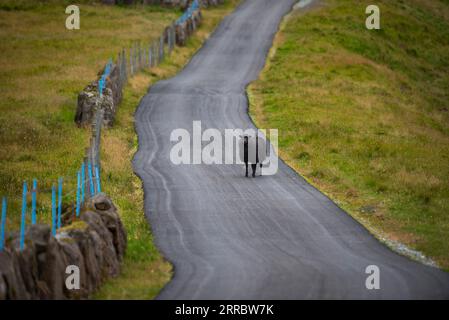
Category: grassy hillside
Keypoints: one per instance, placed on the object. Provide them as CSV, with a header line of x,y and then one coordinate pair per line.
x,y
364,115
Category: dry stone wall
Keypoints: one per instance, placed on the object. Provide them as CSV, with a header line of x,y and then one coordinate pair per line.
x,y
95,243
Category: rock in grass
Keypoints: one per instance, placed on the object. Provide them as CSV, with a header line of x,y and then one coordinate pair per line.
x,y
74,257
12,277
368,209
3,288
105,208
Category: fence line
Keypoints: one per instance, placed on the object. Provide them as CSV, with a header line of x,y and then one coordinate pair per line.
x,y
189,12
142,56
88,177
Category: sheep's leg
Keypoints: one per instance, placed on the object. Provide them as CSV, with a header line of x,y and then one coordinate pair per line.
x,y
254,167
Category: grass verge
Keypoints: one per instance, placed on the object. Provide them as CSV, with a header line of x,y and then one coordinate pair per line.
x,y
363,115
42,69
145,271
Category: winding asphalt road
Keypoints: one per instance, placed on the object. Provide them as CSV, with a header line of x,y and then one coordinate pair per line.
x,y
231,237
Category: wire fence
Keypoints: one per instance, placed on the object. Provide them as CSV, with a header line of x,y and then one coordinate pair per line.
x,y
151,55
102,80
194,6
147,55
43,202
87,185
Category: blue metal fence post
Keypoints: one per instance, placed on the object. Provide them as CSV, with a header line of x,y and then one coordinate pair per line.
x,y
33,202
78,187
23,220
83,181
100,86
3,224
91,183
53,210
97,174
59,201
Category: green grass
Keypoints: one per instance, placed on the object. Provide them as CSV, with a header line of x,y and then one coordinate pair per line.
x,y
364,115
145,272
43,66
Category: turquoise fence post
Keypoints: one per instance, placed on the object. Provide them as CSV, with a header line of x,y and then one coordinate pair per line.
x,y
59,201
97,174
83,182
33,202
3,224
78,187
53,210
23,220
91,183
100,86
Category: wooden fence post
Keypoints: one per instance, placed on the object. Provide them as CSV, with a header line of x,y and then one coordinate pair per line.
x,y
161,49
131,69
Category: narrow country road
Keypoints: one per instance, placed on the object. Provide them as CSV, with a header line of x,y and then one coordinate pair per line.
x,y
231,237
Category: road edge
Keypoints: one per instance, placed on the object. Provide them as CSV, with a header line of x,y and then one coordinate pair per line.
x,y
395,246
